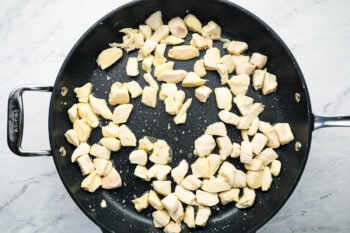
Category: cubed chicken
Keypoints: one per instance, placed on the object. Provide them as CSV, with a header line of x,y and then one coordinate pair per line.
x,y
85,164
160,218
229,196
240,179
215,185
211,58
72,137
160,50
214,161
172,76
191,182
183,52
193,23
228,61
203,214
245,68
258,59
237,47
112,180
223,98
254,127
154,200
172,40
216,129
154,20
172,227
139,40
141,202
199,68
73,113
189,218
126,136
270,84
223,72
158,171
266,179
243,103
199,42
147,63
102,166
206,198
121,113
246,155
225,146
134,89
259,141
99,151
141,172
85,112
161,152
151,81
110,130
162,187
167,89
200,168
149,96
255,165
269,131
202,93
204,145
179,172
83,92
111,144
254,179
138,157
172,106
185,196
82,129
174,207
108,57
181,116
284,133
275,167
132,67
163,67
228,117
267,156
91,182
247,199
193,80
236,150
177,27
119,94
228,172
145,144
258,79
148,47
99,106
246,121
239,84
239,59
146,30
244,135
212,31
82,149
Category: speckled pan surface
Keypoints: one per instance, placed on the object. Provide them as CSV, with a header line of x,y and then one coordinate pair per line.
x,y
80,67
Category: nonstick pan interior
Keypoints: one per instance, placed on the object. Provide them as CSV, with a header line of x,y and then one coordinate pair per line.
x,y
80,67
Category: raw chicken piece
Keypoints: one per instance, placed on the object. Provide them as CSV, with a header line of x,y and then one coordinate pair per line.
x,y
146,30
199,68
148,47
239,59
184,195
228,172
167,89
225,146
172,227
126,136
141,172
215,185
270,84
211,58
245,68
191,182
108,57
255,165
121,113
141,202
154,20
237,47
254,127
246,121
85,164
72,137
172,40
161,152
163,67
284,133
267,156
82,149
270,133
202,93
206,199
240,179
154,200
91,182
258,79
111,144
158,171
200,168
110,130
216,129
99,151
183,52
103,167
212,31
82,129
149,96
199,42
193,23
151,81
160,33
177,27
193,80
228,117
243,103
73,113
138,157
246,155
275,167
214,161
259,141
189,219
266,179
247,199
202,216
134,89
162,187
119,94
181,116
179,172
172,76
204,145
223,98
160,218
258,59
223,72
83,92
174,207
229,196
236,150
85,112
145,144
112,180
239,84
160,50
228,61
147,63
99,106
132,67
254,179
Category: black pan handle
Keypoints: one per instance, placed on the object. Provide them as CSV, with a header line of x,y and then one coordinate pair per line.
x,y
334,121
15,118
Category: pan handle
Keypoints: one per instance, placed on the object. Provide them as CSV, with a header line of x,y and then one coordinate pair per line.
x,y
334,121
15,118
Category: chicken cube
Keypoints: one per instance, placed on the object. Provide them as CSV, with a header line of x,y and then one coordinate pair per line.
x,y
181,116
204,145
202,216
110,130
254,127
108,57
246,121
112,180
223,72
160,33
149,97
83,92
126,136
141,202
167,89
183,52
228,117
99,106
141,172
158,171
172,227
229,196
99,151
73,113
147,63
91,182
267,156
200,168
160,50
148,47
146,30
266,179
236,150
259,141
214,161
151,81
172,40
240,179
245,68
134,89
275,167
179,172
163,67
270,133
211,58
119,94
161,152
228,172
246,155
184,195
193,80
72,137
258,59
121,113
82,129
239,59
193,23
270,84
225,146
177,27
254,179
202,93
172,76
255,165
237,47
189,218
82,149
154,20
223,98
215,185
198,41
243,103
191,182
85,164
154,200
103,167
247,199
206,198
160,218
132,67
212,31
228,62
239,84
216,129
145,144
172,106
85,112
174,207
162,187
199,68
138,157
284,133
258,79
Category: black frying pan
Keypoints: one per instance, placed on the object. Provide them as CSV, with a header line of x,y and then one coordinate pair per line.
x,y
80,67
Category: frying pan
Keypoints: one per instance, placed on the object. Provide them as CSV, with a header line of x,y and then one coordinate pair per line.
x,y
80,67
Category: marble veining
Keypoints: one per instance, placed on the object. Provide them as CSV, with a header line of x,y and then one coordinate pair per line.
x,y
37,35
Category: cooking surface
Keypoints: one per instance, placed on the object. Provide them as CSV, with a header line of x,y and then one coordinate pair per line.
x,y
34,48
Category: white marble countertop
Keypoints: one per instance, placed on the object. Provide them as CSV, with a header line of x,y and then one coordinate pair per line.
x,y
35,39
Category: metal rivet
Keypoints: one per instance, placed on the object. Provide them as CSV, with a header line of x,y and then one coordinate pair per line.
x,y
297,146
64,91
62,151
297,97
